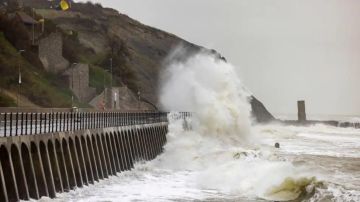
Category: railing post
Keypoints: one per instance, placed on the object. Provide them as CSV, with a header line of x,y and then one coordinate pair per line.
x,y
66,121
72,121
47,117
87,117
11,115
114,119
61,122
67,117
40,119
123,119
133,115
118,119
101,117
5,123
21,117
96,119
110,120
106,119
31,123
36,123
56,119
26,123
128,119
79,121
91,120
52,121
16,123
131,118
85,120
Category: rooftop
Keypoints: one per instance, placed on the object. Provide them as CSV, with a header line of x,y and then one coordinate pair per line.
x,y
25,18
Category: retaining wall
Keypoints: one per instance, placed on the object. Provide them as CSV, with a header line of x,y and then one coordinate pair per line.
x,y
42,165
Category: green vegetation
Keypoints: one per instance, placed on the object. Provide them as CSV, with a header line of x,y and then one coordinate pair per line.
x,y
98,78
40,87
6,100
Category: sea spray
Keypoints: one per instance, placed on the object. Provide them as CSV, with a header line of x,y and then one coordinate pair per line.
x,y
220,148
209,87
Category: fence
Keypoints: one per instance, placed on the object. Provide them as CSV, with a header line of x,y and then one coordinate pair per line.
x,y
15,124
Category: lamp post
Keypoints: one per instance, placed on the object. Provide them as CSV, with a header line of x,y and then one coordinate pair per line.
x,y
111,72
79,86
72,84
19,83
111,82
104,97
139,99
33,27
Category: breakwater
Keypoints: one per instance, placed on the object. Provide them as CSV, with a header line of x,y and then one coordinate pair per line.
x,y
55,152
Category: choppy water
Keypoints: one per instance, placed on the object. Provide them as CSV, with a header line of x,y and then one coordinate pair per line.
x,y
330,154
225,158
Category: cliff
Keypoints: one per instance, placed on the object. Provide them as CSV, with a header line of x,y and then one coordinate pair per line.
x,y
93,35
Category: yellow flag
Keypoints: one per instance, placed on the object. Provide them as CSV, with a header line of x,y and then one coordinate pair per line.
x,y
64,5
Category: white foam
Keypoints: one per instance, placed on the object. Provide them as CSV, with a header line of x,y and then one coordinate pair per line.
x,y
222,157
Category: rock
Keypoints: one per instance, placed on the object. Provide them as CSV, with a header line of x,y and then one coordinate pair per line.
x,y
259,112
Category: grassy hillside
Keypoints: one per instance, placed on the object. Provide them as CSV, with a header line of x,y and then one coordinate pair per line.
x,y
38,86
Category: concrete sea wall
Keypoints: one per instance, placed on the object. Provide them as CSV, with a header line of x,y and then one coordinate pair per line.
x,y
32,166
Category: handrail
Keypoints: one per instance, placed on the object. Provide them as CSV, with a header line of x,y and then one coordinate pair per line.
x,y
25,123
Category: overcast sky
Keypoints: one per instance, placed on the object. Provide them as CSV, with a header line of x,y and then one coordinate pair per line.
x,y
284,50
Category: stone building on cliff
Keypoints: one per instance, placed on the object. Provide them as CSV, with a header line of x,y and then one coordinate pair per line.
x,y
50,53
77,77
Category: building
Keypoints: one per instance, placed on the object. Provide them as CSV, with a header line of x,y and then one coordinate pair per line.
x,y
119,98
77,78
50,53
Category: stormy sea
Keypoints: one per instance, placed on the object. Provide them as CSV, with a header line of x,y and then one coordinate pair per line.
x,y
221,154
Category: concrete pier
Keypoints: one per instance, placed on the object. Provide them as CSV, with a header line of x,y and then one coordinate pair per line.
x,y
32,166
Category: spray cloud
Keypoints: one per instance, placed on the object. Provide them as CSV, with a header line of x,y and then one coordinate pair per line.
x,y
209,87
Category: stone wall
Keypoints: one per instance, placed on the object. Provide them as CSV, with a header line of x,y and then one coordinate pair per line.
x,y
78,81
35,166
50,53
119,98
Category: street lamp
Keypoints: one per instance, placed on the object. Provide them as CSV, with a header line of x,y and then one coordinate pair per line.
x,y
111,82
104,97
79,86
111,72
19,86
139,99
72,84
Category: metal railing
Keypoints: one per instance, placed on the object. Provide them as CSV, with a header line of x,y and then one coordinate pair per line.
x,y
16,124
